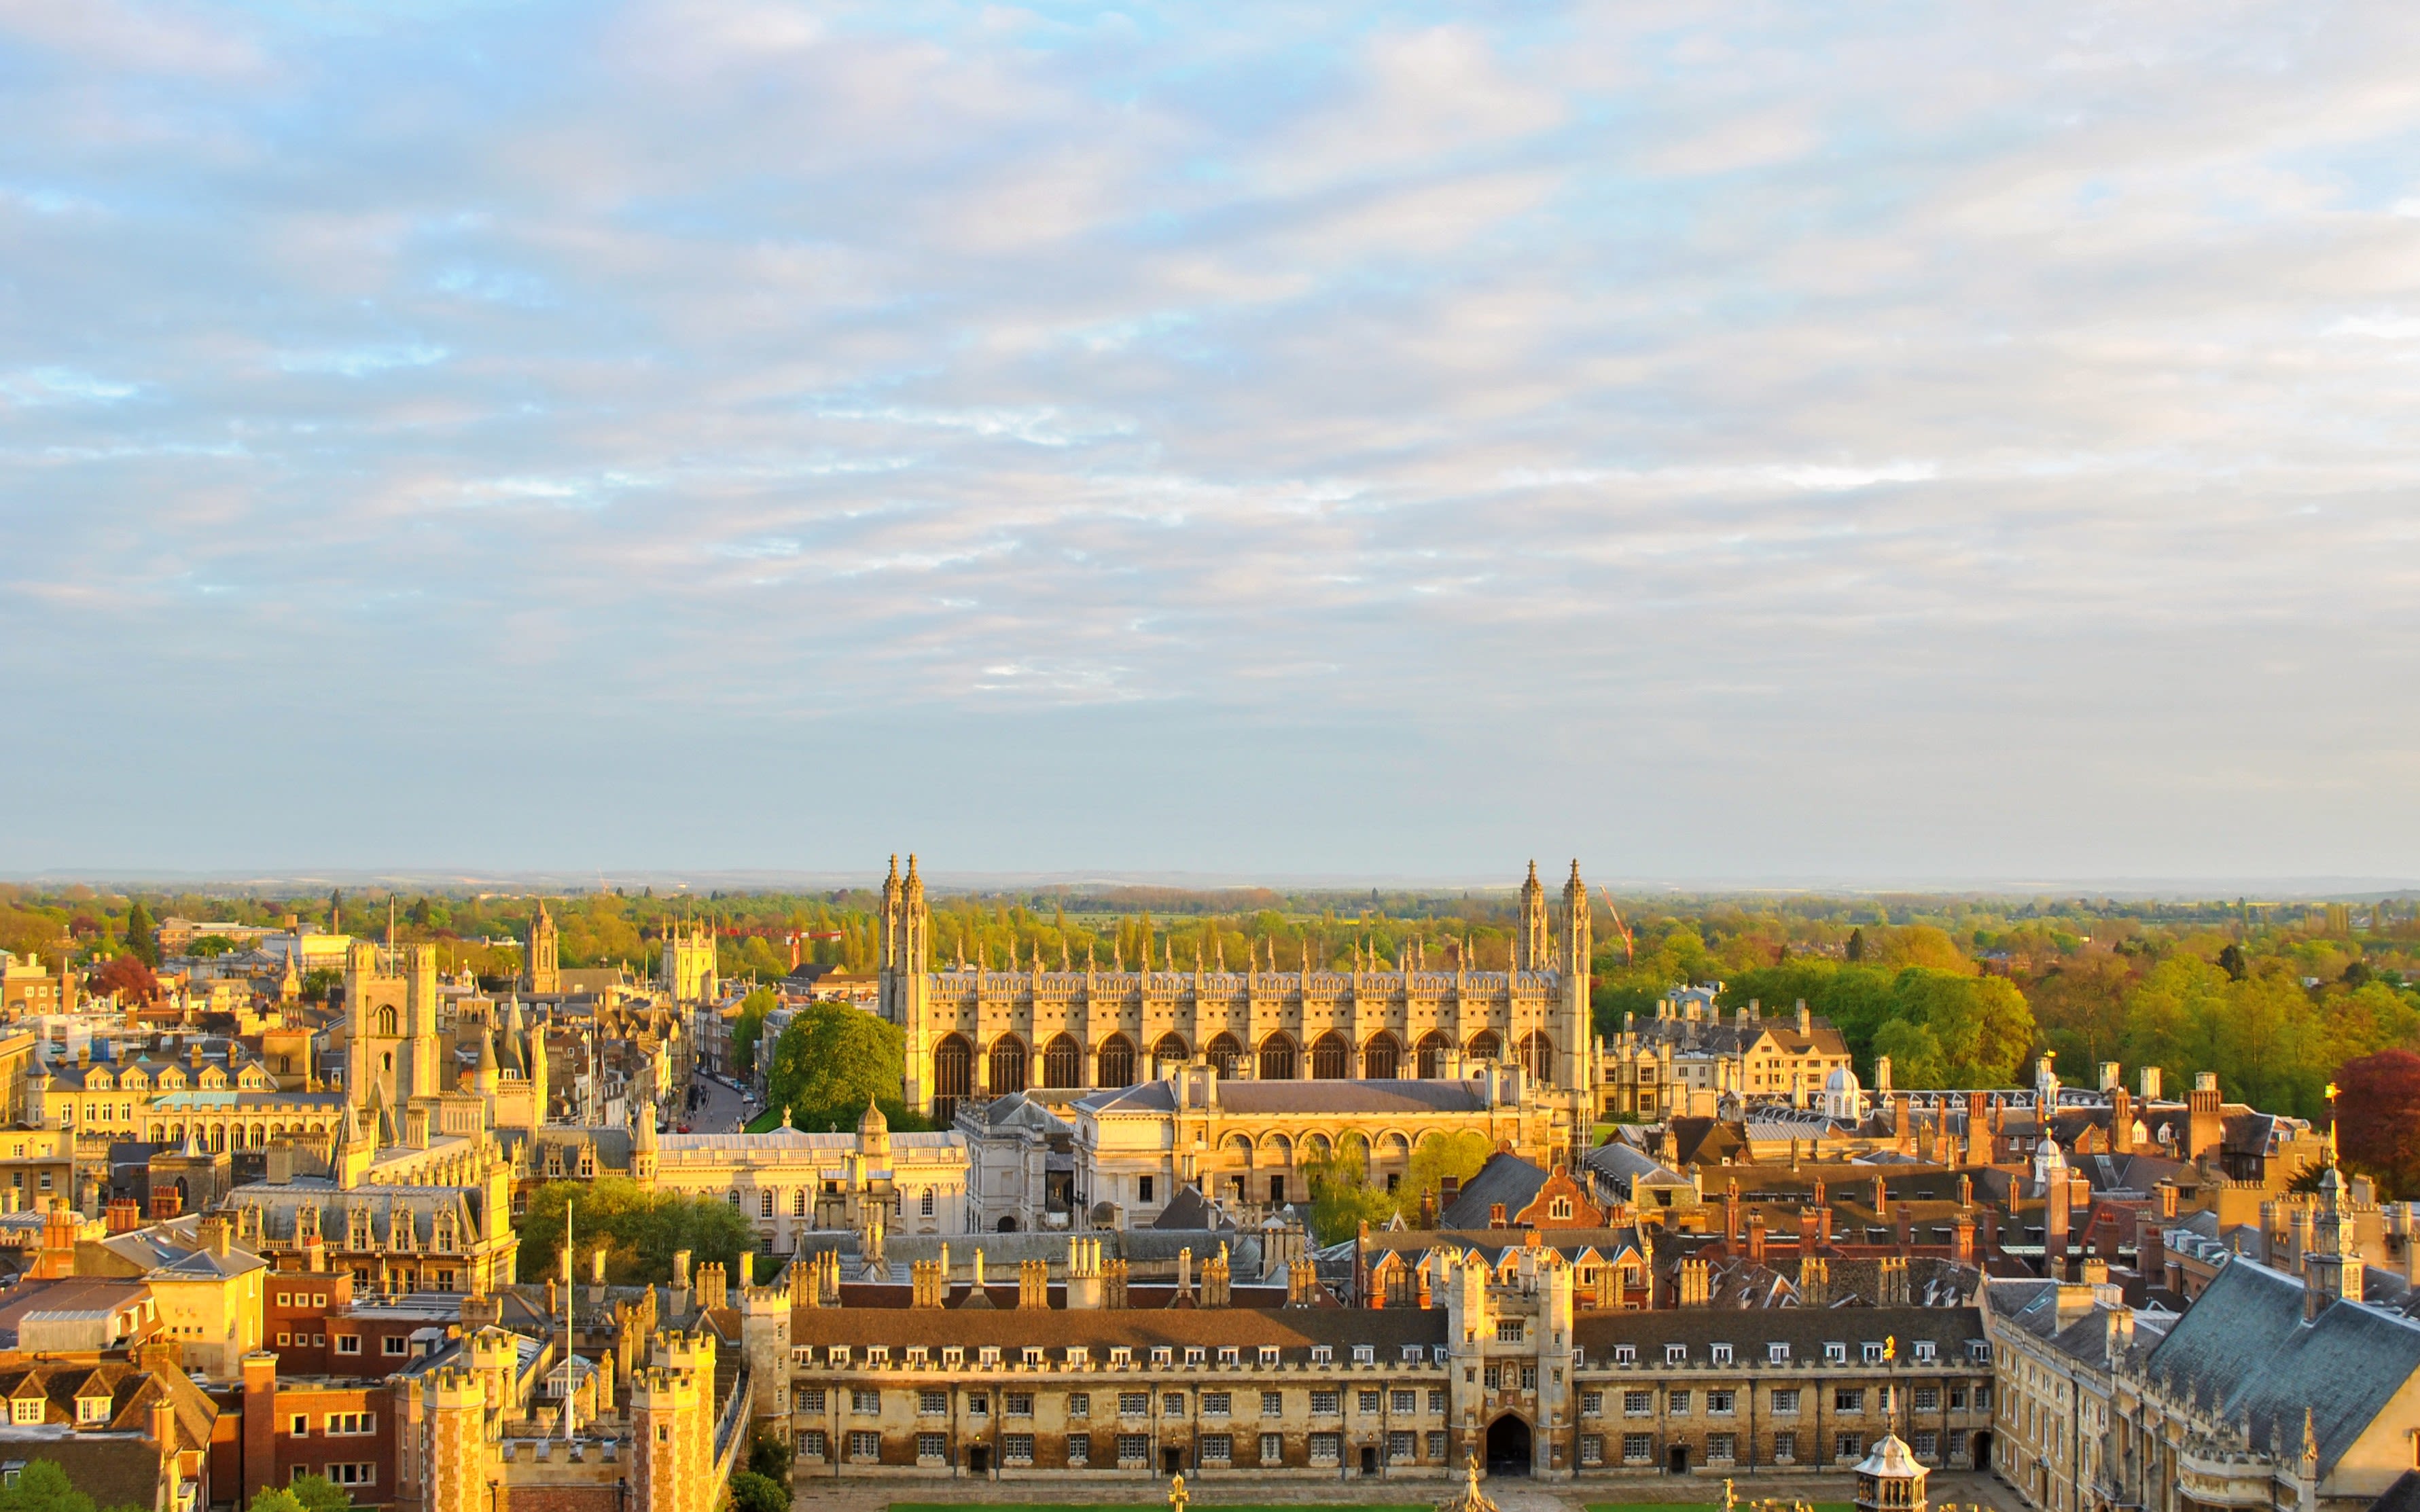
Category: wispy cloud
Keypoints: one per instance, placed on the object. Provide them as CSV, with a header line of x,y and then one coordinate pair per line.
x,y
1715,437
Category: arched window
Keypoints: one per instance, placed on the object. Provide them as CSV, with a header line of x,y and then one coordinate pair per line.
x,y
386,1020
1276,1058
1382,1058
1225,1054
1538,1057
1007,1065
953,1077
1332,1059
1063,1063
1169,1054
1117,1064
1432,1047
1485,1045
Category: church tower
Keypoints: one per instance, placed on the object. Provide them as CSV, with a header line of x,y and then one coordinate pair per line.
x,y
903,957
541,973
1575,1035
1529,943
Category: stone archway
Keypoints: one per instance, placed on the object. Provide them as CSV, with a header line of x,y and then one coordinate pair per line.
x,y
1507,1446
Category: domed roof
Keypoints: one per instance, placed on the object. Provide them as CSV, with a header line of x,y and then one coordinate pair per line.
x,y
1842,1080
872,1124
1891,1461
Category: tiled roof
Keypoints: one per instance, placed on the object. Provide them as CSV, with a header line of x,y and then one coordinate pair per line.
x,y
2245,1343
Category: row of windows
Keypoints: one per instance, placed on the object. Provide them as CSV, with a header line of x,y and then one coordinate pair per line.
x,y
1721,1448
339,1424
1325,1402
1872,1351
1130,1449
766,1203
990,1357
1722,1401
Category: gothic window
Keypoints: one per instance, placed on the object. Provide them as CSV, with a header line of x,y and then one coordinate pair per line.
x,y
386,1020
1225,1054
1063,1063
1276,1058
1538,1057
1431,1051
953,1075
1382,1058
1170,1052
1332,1059
1117,1067
1485,1045
1007,1065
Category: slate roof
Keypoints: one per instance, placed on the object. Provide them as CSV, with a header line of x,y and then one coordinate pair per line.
x,y
1294,1331
1506,1179
1353,1097
2245,1340
1749,1329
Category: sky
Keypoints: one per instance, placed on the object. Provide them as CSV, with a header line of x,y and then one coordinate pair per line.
x,y
1877,443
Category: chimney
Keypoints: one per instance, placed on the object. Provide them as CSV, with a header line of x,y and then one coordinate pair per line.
x,y
1755,1237
2205,1128
259,1421
2111,1074
2122,1119
1806,1020
2150,1081
2151,1249
2054,1232
1449,1189
1903,1120
1495,1218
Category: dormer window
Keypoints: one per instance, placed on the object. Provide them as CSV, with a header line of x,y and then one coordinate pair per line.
x,y
1719,1353
1924,1351
1195,1354
1676,1354
988,1357
1228,1354
1836,1353
1365,1354
877,1354
92,1409
27,1409
1323,1354
1032,1356
1163,1354
1874,1354
1078,1355
1268,1356
1776,1353
1120,1357
916,1355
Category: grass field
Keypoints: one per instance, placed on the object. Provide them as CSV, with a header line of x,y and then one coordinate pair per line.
x,y
766,1122
1109,1507
1695,1507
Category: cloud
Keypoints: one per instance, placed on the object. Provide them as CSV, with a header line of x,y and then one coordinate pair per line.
x,y
1722,438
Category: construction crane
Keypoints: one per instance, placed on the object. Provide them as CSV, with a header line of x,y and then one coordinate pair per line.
x,y
1620,928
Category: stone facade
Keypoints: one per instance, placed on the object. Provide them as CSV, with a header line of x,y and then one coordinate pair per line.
x,y
977,1033
1500,1366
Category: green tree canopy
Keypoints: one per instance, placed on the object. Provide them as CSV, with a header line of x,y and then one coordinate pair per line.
x,y
142,934
752,1493
639,1231
43,1486
750,1028
831,1060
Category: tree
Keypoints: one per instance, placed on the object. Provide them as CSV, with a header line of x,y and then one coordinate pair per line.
x,y
1341,1196
1856,950
43,1486
752,1493
639,1230
306,1493
750,1028
2378,1120
210,947
129,977
142,934
320,981
2230,960
831,1061
769,1456
318,1493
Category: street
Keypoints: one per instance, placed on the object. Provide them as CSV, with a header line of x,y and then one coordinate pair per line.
x,y
719,1108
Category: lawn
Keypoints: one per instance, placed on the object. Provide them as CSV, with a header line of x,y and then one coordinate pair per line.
x,y
1702,1507
1106,1506
766,1122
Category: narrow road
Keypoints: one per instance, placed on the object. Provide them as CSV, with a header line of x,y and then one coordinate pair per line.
x,y
718,1109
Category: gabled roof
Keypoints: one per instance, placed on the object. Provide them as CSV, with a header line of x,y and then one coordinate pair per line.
x,y
2243,1345
1506,1179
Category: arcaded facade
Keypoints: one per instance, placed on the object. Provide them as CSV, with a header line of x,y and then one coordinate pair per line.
x,y
977,1033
